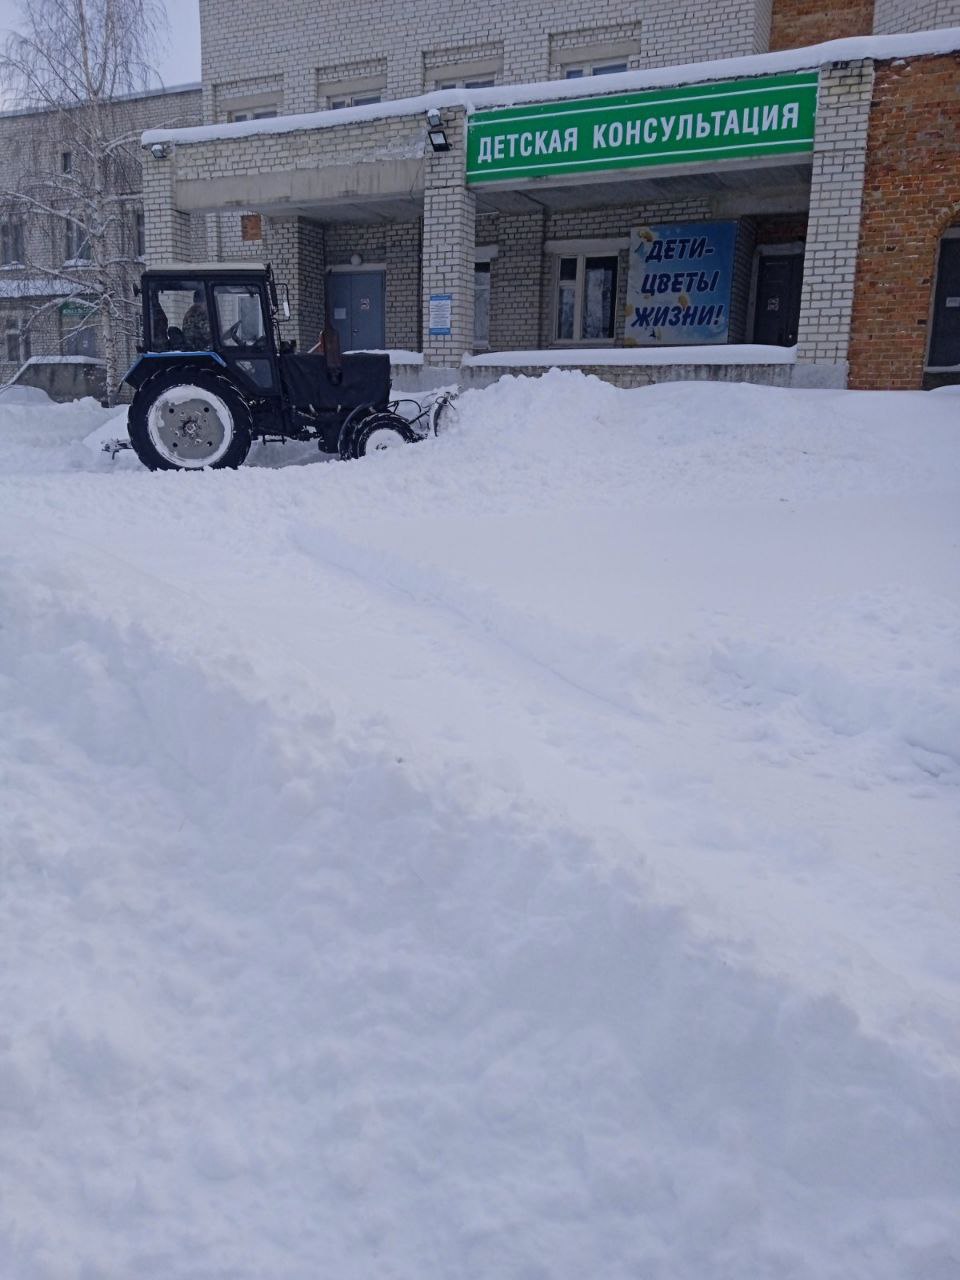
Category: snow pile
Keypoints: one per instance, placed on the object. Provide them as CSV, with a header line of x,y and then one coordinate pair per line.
x,y
37,434
527,854
398,355
722,353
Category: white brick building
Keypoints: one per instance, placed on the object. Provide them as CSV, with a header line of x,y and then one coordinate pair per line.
x,y
528,233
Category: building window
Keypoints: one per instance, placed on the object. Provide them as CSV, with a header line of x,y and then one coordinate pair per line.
x,y
18,342
76,244
473,67
356,84
580,69
586,298
484,82
251,113
79,341
596,51
66,162
481,304
363,98
139,234
367,86
11,242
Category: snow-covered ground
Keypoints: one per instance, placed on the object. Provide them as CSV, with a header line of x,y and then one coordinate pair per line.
x,y
528,855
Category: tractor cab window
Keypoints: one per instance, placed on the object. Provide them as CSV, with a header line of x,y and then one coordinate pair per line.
x,y
177,313
240,318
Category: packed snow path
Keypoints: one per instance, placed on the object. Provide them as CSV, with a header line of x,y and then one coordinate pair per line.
x,y
532,853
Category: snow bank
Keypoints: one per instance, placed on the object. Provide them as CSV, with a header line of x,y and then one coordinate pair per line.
x,y
38,435
399,355
727,353
528,854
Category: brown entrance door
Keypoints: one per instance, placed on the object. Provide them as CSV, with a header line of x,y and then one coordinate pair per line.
x,y
779,282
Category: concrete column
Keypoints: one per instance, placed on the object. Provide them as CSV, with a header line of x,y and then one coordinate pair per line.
x,y
449,244
833,231
166,228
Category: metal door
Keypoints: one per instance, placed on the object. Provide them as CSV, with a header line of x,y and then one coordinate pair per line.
x,y
355,308
779,283
241,333
945,337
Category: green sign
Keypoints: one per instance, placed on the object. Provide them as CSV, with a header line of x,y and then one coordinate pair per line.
x,y
75,308
768,116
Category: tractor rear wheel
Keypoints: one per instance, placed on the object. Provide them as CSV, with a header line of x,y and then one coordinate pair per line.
x,y
189,418
381,431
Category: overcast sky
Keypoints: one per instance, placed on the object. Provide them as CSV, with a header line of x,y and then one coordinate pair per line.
x,y
178,62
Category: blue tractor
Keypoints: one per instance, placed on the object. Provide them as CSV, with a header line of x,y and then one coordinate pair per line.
x,y
213,375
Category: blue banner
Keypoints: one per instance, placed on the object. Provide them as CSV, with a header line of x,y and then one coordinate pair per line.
x,y
679,284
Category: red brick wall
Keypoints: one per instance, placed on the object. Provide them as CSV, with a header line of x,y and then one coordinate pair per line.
x,y
911,192
801,22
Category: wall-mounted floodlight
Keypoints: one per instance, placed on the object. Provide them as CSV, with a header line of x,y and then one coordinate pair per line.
x,y
436,132
159,151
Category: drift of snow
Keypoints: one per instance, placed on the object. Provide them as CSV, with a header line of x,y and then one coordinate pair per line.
x,y
723,353
530,854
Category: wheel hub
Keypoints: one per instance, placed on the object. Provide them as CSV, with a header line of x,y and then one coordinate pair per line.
x,y
189,430
383,438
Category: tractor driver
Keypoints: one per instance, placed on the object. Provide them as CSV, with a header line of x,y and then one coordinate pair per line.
x,y
196,324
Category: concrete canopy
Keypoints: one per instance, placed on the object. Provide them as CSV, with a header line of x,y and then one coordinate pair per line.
x,y
369,171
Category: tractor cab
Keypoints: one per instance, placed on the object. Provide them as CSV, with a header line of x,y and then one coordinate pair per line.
x,y
227,311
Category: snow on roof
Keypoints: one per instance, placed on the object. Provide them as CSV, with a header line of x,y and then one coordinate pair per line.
x,y
731,353
139,95
36,287
881,48
40,360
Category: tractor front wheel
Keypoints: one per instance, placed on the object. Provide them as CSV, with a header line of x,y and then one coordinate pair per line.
x,y
187,419
381,431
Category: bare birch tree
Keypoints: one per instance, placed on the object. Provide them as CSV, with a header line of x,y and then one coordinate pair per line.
x,y
75,63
